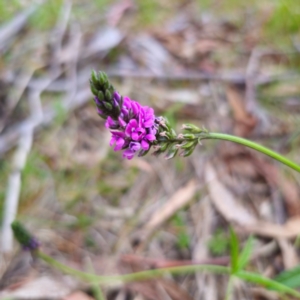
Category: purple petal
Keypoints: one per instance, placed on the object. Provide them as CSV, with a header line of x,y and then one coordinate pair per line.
x,y
152,131
131,127
97,101
135,136
119,144
138,134
129,154
118,134
122,122
100,111
117,96
135,107
145,145
133,123
134,146
127,103
148,123
110,123
150,137
112,140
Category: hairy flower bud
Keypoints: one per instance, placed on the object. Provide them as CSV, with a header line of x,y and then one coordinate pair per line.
x,y
172,151
187,152
22,235
106,97
189,136
191,128
188,145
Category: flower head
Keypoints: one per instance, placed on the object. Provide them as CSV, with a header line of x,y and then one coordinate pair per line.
x,y
134,130
133,127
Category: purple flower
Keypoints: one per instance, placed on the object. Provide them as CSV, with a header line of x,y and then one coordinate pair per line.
x,y
33,244
117,138
134,130
147,117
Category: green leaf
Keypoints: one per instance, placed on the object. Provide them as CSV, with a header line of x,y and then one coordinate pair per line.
x,y
234,251
266,282
290,278
246,253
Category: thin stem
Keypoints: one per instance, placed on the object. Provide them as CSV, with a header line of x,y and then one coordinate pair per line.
x,y
229,288
253,145
138,276
151,274
65,269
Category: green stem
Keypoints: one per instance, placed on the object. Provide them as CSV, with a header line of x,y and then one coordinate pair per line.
x,y
229,288
63,268
253,145
138,276
151,274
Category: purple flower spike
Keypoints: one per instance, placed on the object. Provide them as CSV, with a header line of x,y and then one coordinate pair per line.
x,y
135,130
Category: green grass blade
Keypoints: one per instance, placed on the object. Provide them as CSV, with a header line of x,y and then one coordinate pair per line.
x,y
246,253
266,282
234,251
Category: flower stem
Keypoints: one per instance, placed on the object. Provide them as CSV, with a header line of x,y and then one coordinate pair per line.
x,y
138,276
253,145
154,273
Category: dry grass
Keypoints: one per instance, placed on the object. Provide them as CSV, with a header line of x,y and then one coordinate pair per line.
x,y
88,206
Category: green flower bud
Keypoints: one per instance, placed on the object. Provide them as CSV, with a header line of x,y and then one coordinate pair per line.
x,y
105,86
191,128
100,96
110,88
117,110
188,145
108,96
102,116
172,152
107,105
105,78
172,133
163,146
93,88
94,77
22,235
102,79
187,152
188,136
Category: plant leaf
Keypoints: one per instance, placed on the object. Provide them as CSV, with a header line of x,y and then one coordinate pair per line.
x,y
290,278
234,251
267,282
246,253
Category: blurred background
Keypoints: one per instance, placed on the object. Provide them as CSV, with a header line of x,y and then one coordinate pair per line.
x,y
229,65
